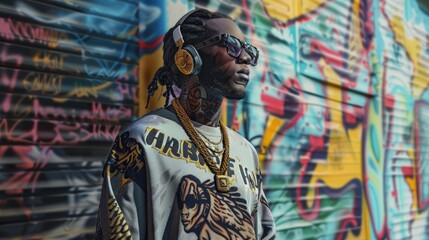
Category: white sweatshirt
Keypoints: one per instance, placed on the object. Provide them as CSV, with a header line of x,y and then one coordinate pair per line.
x,y
157,186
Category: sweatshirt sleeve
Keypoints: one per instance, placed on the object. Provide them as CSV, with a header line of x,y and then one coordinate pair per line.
x,y
266,225
121,213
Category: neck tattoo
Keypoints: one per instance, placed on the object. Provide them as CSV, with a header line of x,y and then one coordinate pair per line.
x,y
220,177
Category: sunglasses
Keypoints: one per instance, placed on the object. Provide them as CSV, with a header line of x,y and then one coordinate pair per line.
x,y
190,202
234,47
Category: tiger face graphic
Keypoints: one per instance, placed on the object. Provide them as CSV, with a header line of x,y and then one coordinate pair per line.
x,y
211,214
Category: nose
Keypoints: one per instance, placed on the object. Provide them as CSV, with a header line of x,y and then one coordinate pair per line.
x,y
244,57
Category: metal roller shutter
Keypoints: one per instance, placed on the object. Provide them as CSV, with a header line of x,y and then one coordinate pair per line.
x,y
68,82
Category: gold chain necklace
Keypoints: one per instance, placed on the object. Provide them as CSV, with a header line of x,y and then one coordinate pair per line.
x,y
220,177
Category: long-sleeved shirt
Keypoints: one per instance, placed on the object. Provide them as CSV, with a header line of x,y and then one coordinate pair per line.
x,y
157,186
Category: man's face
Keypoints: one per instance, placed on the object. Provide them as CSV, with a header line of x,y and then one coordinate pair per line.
x,y
221,72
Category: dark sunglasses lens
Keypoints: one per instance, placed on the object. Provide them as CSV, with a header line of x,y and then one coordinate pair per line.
x,y
253,52
190,201
234,46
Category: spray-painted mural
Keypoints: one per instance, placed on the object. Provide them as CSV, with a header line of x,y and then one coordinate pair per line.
x,y
336,112
68,81
335,108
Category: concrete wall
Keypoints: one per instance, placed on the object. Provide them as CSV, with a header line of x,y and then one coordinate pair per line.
x,y
335,108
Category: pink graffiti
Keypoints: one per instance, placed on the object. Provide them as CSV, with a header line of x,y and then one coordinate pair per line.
x,y
44,112
54,132
16,30
31,107
75,133
22,178
128,91
10,131
7,102
109,114
7,57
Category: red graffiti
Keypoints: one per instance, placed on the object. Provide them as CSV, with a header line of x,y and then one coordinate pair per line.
x,y
54,132
7,57
16,30
108,113
22,178
317,143
30,106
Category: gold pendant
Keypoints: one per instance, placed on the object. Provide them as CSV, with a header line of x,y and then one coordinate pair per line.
x,y
222,183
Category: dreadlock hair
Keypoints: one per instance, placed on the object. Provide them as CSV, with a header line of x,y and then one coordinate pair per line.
x,y
193,30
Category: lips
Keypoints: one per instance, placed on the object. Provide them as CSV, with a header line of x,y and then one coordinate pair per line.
x,y
243,77
185,222
245,71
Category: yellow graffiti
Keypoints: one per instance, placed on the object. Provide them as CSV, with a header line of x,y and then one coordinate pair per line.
x,y
43,83
344,148
273,127
344,158
80,92
286,10
46,60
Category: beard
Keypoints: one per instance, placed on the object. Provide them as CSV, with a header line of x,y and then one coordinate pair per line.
x,y
214,79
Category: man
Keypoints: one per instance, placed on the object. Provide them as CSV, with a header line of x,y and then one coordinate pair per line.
x,y
178,172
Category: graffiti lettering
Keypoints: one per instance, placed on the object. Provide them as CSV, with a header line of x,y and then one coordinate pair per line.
x,y
48,61
43,83
30,106
110,114
52,132
10,131
80,92
16,30
7,57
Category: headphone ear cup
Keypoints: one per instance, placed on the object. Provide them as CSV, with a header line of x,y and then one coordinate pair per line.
x,y
196,57
188,61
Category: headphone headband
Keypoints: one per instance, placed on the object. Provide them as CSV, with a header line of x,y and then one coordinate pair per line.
x,y
177,34
186,59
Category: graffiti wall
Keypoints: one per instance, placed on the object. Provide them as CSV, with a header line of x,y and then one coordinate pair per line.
x,y
68,81
336,109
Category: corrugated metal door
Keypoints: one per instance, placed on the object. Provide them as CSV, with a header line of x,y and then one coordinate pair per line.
x,y
67,83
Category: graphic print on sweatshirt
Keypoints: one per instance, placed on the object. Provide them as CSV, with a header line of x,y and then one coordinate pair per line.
x,y
211,214
183,149
198,206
